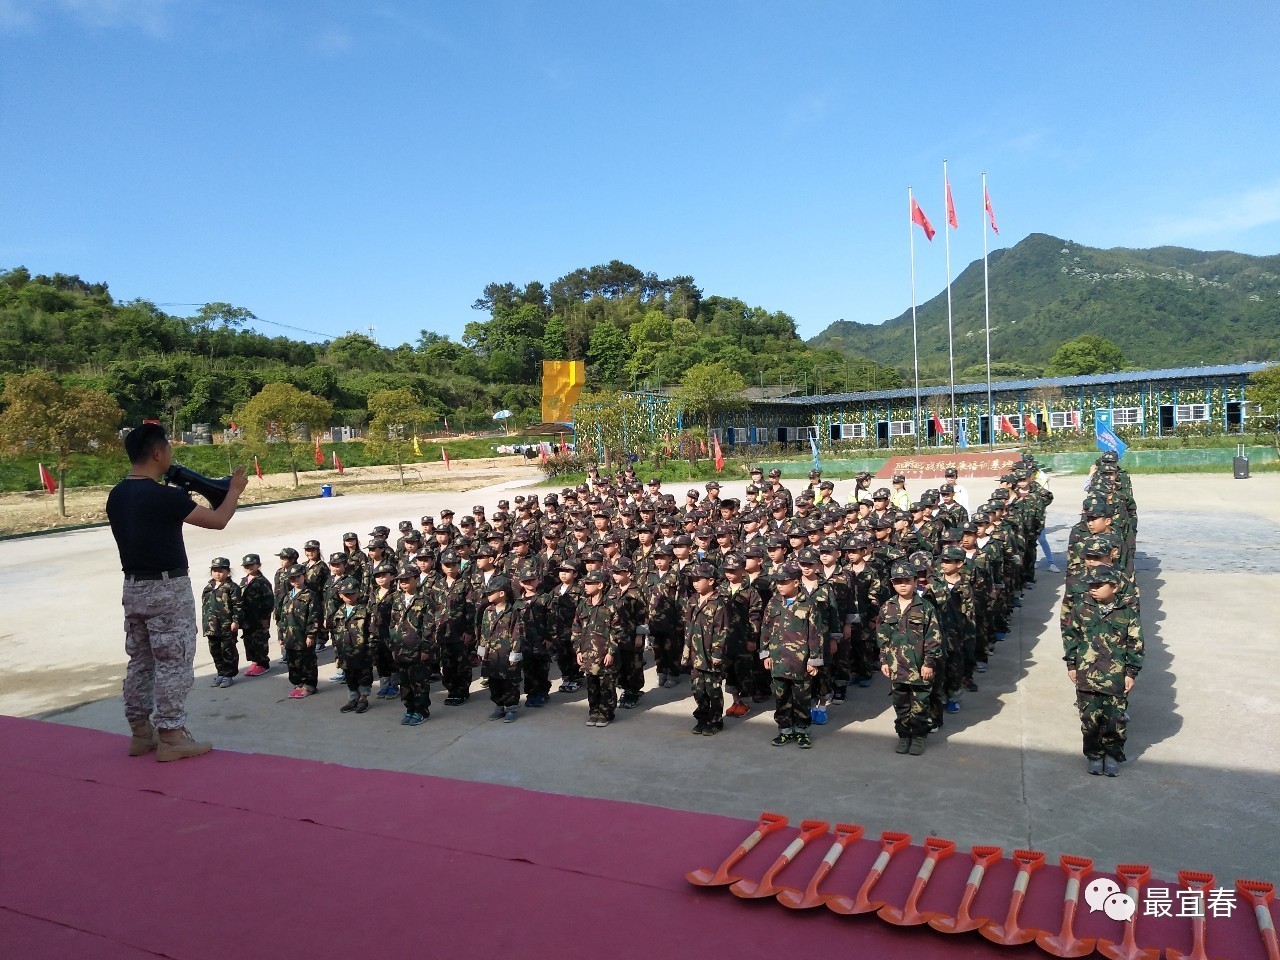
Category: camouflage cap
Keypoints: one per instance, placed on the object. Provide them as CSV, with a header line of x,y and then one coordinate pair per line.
x,y
775,472
1103,574
882,523
951,472
596,576
754,551
388,569
593,556
951,535
381,531
1099,509
220,563
404,526
408,573
786,573
528,572
881,494
808,556
499,584
376,544
413,536
349,585
448,557
952,552
624,565
684,540
311,545
336,558
1098,546
251,560
426,553
946,490
297,570
829,545
664,550
734,561
702,571
428,521
902,570
350,536
777,543
486,551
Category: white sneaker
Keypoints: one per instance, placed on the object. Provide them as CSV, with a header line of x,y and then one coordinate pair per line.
x,y
1053,568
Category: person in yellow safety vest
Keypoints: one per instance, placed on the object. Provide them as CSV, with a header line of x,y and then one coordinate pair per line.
x,y
899,498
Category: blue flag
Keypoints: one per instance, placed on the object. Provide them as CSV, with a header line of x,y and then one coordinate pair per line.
x,y
962,433
813,443
1107,440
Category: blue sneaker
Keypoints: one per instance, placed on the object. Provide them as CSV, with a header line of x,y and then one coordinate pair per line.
x,y
953,706
415,719
392,692
818,715
865,682
404,721
1000,635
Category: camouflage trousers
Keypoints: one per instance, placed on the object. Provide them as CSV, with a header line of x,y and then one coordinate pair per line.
x,y
415,686
383,662
840,662
864,655
536,671
708,696
668,648
359,673
791,699
567,660
911,710
303,670
1102,723
455,669
256,640
742,674
630,669
602,695
504,692
225,653
160,640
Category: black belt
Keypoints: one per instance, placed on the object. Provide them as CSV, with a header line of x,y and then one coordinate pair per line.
x,y
158,575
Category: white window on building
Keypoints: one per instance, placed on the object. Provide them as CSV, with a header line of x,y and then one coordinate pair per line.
x,y
738,435
1015,420
949,425
1190,412
1126,416
902,428
1061,420
853,431
801,434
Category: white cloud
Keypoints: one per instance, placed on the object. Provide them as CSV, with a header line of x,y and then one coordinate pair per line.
x,y
1223,216
150,16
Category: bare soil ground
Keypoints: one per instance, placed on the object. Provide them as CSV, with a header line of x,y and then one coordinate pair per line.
x,y
32,512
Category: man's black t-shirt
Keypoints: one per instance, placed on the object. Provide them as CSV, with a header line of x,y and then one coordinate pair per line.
x,y
146,520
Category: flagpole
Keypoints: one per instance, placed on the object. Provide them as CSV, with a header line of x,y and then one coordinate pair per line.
x,y
915,349
951,356
986,300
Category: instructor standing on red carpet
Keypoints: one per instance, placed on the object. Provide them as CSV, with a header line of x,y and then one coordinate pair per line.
x,y
159,604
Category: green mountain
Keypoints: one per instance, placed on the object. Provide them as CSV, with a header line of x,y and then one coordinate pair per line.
x,y
1164,307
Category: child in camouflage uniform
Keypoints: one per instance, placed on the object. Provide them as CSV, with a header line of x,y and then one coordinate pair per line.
x,y
1102,639
501,648
791,646
257,604
300,616
349,626
910,642
220,606
595,642
414,648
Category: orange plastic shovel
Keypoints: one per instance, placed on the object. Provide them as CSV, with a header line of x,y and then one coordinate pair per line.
x,y
1065,943
1134,875
721,876
890,843
962,922
1261,893
846,833
908,915
750,889
1194,880
1009,932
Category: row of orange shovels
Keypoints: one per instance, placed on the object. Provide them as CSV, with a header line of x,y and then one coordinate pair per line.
x,y
1007,932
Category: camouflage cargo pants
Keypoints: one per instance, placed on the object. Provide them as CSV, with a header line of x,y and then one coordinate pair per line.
x,y
160,640
255,644
630,669
791,710
415,686
537,674
911,710
667,650
708,696
602,695
225,653
359,674
1102,723
455,669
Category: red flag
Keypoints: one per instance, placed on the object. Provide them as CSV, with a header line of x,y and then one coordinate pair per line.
x,y
50,485
951,207
336,462
937,424
257,467
446,424
233,426
1075,419
703,444
917,216
564,447
1029,423
666,435
319,454
542,451
991,214
1006,426
444,455
715,445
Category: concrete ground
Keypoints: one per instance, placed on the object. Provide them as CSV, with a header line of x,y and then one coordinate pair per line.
x,y
1201,790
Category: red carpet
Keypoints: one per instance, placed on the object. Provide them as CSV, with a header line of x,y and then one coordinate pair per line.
x,y
241,855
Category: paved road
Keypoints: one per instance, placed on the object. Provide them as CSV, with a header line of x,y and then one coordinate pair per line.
x,y
1201,790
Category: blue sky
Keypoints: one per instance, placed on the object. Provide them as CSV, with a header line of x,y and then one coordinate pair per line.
x,y
332,166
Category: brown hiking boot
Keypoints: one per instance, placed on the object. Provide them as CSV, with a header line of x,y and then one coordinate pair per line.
x,y
179,744
144,738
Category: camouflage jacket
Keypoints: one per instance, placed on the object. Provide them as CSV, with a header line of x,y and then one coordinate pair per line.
x,y
413,634
791,637
380,613
909,640
350,627
666,616
220,607
299,618
564,607
455,614
866,594
746,605
706,632
280,588
632,613
1103,644
1077,591
257,601
317,574
957,611
596,634
501,641
536,613
822,601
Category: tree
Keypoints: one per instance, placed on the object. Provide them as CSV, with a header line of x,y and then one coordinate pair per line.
x,y
43,417
553,339
1083,355
1264,390
396,414
608,351
281,413
710,389
217,316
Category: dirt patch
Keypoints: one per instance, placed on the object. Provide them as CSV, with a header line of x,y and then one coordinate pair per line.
x,y
33,512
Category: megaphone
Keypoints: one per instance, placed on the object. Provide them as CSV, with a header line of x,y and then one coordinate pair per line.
x,y
215,491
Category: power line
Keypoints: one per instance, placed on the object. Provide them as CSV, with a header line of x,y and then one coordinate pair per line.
x,y
286,326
